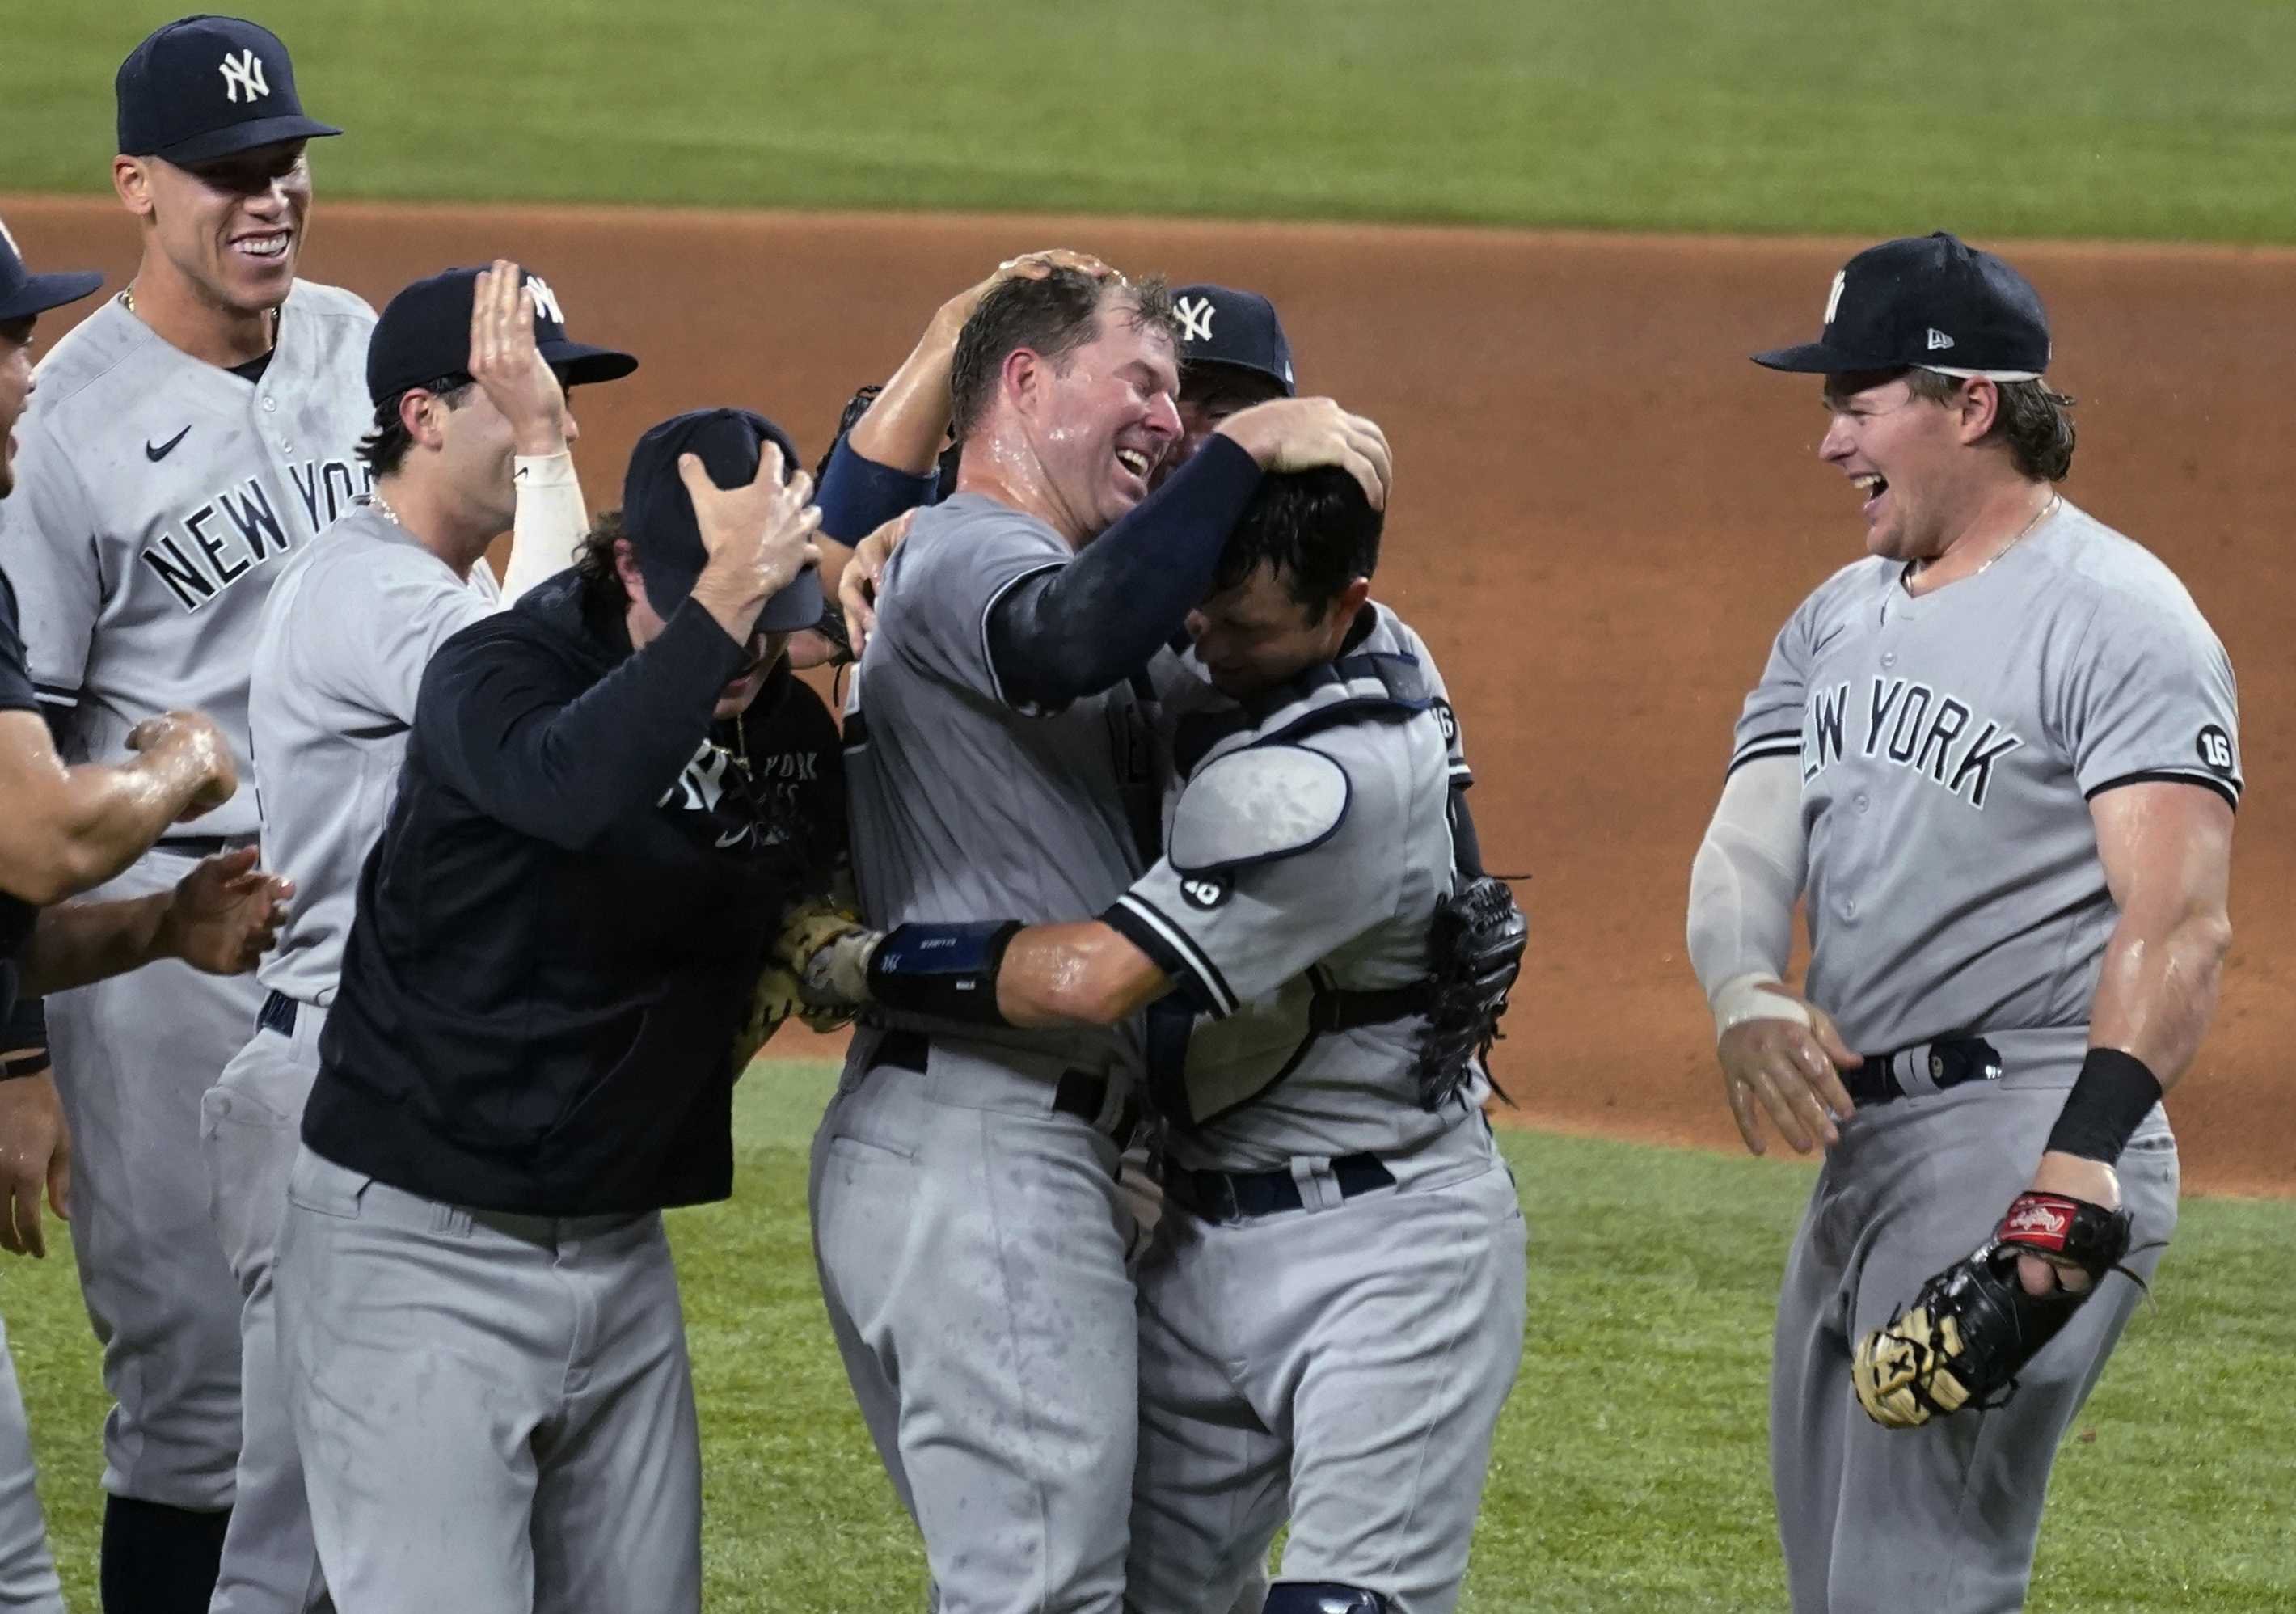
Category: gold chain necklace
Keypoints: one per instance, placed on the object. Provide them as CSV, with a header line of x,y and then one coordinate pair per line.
x,y
2054,500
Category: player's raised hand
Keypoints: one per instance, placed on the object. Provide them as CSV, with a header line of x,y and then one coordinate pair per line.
x,y
1301,433
507,365
759,536
1027,266
226,914
35,1153
1789,1072
190,741
864,574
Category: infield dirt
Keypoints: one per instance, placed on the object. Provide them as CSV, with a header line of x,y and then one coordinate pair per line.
x,y
1603,513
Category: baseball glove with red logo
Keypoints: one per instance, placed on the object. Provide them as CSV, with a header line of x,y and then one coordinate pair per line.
x,y
1973,1326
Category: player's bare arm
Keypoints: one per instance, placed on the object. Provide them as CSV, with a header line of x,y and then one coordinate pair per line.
x,y
69,828
220,918
2167,851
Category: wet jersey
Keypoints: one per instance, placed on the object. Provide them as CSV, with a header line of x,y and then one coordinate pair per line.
x,y
1950,747
1307,852
350,623
160,498
962,803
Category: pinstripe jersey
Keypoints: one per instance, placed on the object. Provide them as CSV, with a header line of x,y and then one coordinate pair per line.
x,y
1950,747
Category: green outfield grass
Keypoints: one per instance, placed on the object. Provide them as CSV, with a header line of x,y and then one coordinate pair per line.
x,y
1630,1471
2059,118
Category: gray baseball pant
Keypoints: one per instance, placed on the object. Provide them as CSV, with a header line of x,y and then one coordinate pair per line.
x,y
1342,1366
134,1055
1942,1518
972,1244
250,1126
27,1575
496,1413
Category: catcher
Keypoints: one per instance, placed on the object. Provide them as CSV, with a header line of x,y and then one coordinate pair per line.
x,y
1998,758
1328,1334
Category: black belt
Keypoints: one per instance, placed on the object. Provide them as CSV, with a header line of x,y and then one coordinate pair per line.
x,y
1227,1196
204,845
1947,1062
1335,1010
278,1015
1080,1093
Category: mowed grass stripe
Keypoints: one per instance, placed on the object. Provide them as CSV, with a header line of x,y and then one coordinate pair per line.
x,y
1631,1468
2055,118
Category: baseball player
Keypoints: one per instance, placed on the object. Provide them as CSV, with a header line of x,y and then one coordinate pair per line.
x,y
1998,758
185,439
63,830
464,369
999,763
529,1055
1330,1333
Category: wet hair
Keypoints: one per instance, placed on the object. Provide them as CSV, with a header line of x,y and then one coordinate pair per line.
x,y
386,447
1316,528
1051,318
2030,423
603,592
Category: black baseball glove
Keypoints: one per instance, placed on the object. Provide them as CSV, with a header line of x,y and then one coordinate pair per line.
x,y
1972,1327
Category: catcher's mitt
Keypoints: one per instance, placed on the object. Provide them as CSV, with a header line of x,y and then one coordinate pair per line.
x,y
1973,1326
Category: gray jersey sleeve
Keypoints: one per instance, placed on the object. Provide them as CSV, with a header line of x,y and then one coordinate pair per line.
x,y
1229,929
1770,723
934,615
2149,695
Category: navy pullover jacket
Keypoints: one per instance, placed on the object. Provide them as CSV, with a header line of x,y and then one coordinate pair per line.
x,y
560,929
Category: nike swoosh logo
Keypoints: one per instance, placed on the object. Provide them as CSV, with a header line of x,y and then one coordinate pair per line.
x,y
156,454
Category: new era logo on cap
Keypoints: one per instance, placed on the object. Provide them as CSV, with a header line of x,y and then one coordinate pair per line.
x,y
1939,338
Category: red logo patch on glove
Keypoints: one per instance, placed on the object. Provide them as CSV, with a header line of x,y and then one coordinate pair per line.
x,y
2040,1221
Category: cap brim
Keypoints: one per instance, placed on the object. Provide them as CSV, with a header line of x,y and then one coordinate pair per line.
x,y
41,293
586,365
243,137
1816,359
797,607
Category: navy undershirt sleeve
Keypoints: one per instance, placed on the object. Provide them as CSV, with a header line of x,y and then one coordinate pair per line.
x,y
857,496
494,713
1079,628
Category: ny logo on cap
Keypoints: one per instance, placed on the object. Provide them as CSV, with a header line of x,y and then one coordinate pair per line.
x,y
1939,338
1833,298
1195,318
545,301
244,72
9,239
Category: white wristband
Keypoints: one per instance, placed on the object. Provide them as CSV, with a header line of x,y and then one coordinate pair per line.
x,y
1755,997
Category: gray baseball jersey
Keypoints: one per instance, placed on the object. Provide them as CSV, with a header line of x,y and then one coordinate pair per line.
x,y
1304,853
1950,747
160,498
350,624
964,805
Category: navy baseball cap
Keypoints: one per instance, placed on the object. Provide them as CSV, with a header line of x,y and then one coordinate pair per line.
x,y
657,511
1931,302
424,336
203,87
1238,329
23,294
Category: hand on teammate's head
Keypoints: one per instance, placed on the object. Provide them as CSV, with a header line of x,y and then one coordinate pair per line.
x,y
1301,433
1027,265
508,365
759,536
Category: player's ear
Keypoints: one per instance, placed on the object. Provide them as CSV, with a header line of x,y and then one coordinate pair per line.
x,y
1023,376
420,413
131,181
1980,406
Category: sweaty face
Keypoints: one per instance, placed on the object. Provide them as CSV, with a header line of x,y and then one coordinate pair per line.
x,y
1100,424
15,387
1252,637
1209,395
233,228
1904,456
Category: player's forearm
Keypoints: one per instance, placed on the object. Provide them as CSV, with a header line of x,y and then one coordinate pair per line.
x,y
550,523
2158,988
68,829
906,425
1743,884
76,943
1070,975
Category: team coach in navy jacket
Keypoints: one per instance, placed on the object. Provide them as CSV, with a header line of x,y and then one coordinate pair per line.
x,y
530,1054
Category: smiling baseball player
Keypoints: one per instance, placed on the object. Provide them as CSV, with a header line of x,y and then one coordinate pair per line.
x,y
1998,759
185,439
